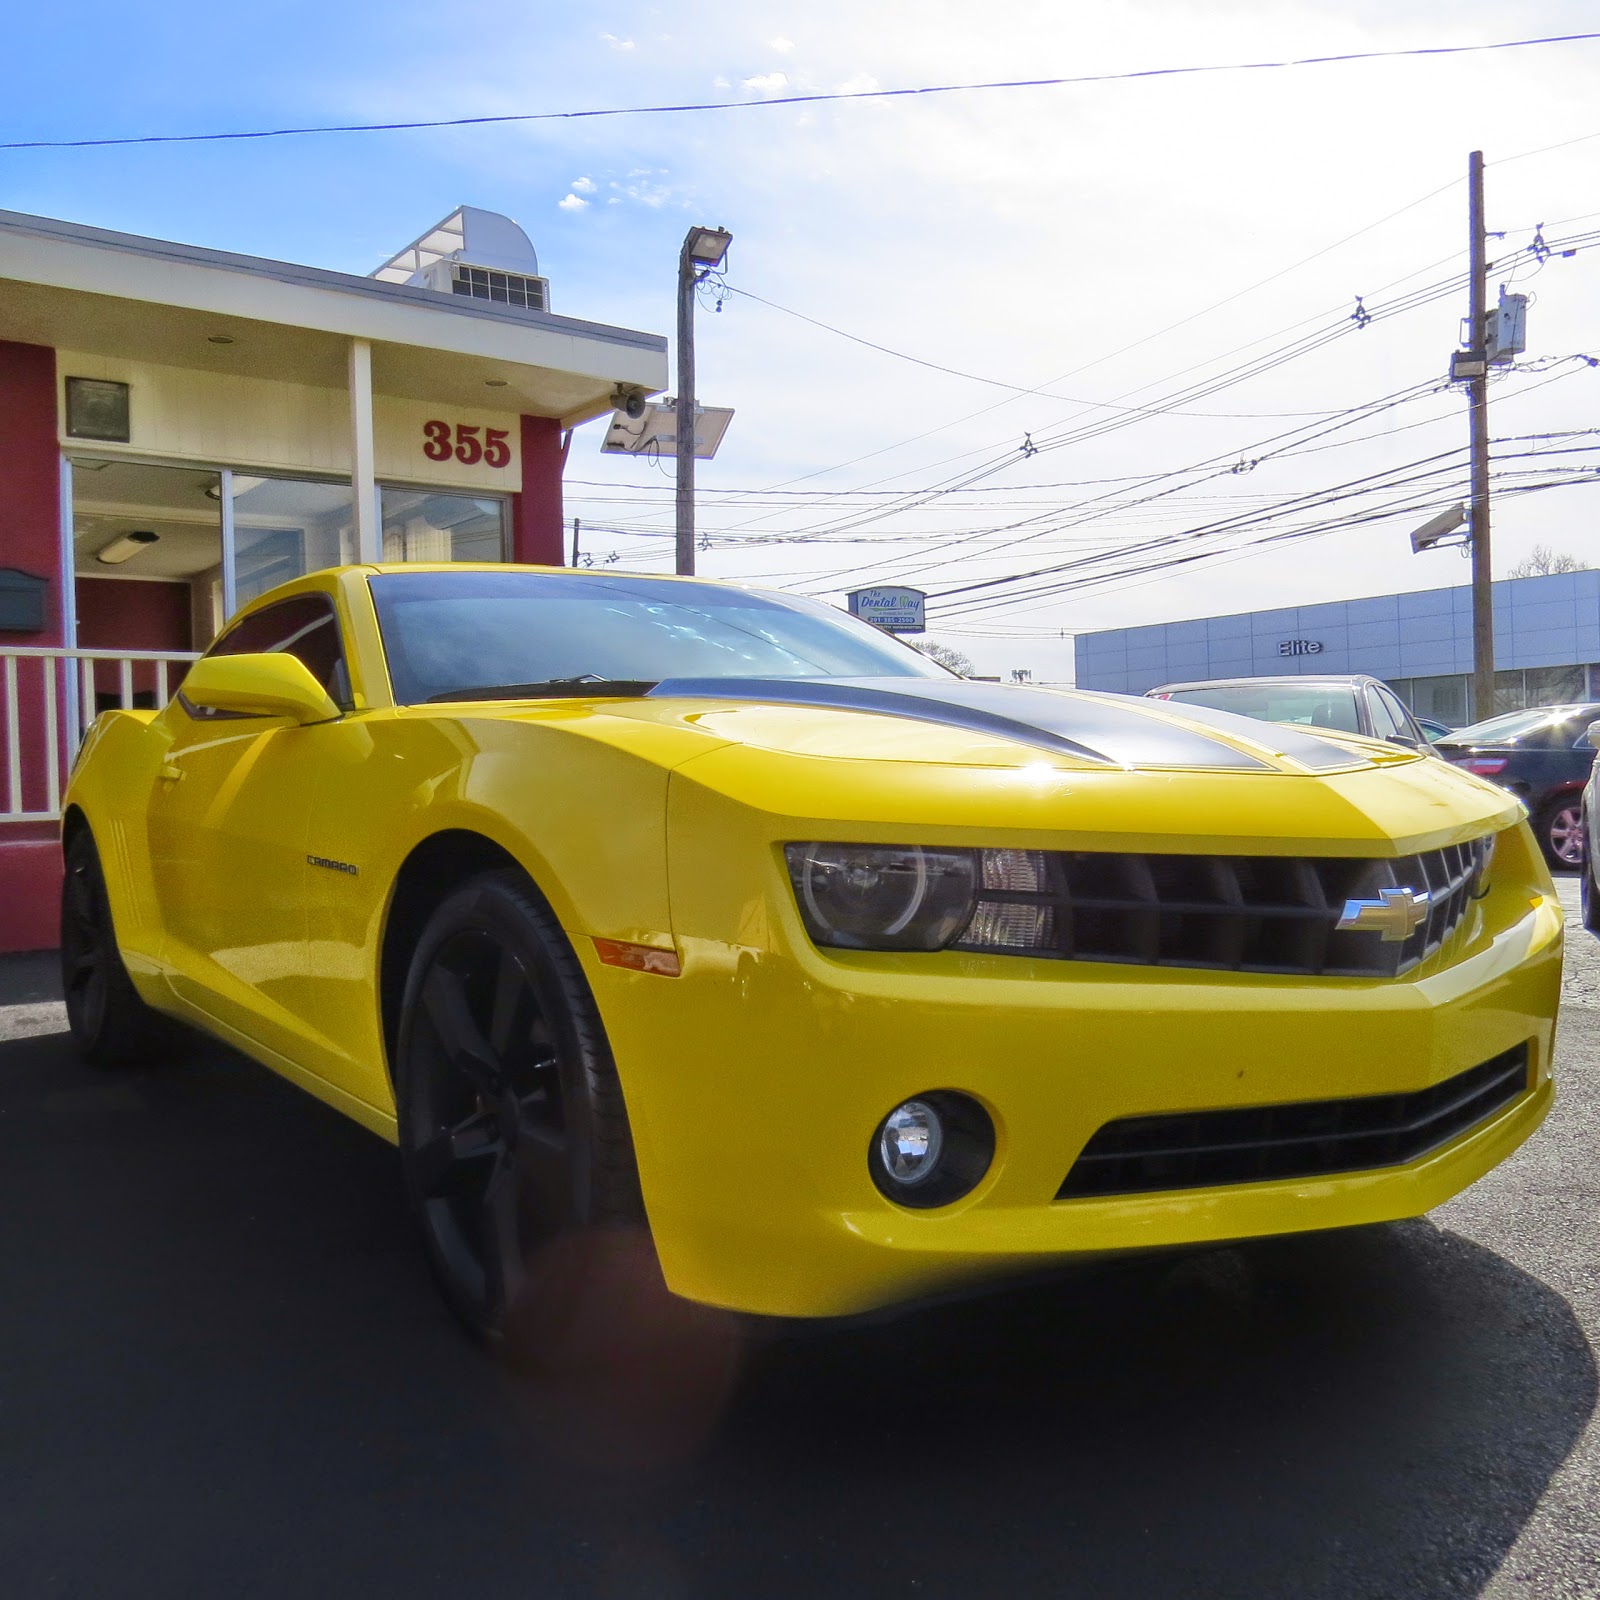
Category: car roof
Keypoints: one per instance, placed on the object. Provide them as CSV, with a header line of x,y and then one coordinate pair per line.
x,y
1330,680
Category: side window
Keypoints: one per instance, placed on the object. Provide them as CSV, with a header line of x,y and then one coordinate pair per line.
x,y
1386,721
1410,728
306,627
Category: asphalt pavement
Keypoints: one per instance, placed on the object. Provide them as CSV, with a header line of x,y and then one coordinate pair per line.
x,y
224,1372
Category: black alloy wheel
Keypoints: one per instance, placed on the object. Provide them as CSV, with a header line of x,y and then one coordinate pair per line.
x,y
1560,830
513,1132
110,1024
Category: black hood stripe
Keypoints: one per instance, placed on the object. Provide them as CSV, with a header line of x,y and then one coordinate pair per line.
x,y
1115,730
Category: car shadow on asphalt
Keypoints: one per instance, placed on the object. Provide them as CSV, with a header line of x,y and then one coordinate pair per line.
x,y
224,1370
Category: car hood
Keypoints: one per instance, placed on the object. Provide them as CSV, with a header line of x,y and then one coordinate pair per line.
x,y
1023,766
984,724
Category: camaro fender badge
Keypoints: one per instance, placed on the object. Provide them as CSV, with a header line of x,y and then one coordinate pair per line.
x,y
1394,916
345,867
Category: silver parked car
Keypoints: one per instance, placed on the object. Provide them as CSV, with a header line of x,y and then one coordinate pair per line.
x,y
1348,702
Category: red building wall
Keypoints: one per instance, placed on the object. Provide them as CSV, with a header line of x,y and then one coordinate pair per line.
x,y
536,513
30,538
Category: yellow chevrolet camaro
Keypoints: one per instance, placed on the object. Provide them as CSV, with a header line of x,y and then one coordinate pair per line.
x,y
621,901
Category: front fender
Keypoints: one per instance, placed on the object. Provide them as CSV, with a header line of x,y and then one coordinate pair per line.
x,y
110,787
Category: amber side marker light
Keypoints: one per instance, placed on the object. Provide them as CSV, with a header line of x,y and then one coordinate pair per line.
x,y
638,957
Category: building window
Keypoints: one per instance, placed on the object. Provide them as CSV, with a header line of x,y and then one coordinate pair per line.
x,y
1444,699
284,527
1553,686
423,525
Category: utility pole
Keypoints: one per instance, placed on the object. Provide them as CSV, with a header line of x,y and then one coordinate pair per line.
x,y
1478,416
703,251
574,541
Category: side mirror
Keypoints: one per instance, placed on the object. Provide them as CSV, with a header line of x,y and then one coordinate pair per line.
x,y
274,685
1591,736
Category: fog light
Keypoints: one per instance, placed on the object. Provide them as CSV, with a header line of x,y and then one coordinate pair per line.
x,y
911,1142
932,1149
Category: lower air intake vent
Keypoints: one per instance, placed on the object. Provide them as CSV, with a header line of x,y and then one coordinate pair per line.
x,y
1307,1139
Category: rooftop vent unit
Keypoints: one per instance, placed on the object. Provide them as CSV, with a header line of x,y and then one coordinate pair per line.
x,y
478,254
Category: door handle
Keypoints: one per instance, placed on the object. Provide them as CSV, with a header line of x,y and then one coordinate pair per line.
x,y
170,773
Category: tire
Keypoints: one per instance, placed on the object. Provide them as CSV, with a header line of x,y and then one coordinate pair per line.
x,y
110,1024
513,1132
1560,829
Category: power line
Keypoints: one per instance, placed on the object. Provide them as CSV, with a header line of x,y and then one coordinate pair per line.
x,y
807,99
999,383
1407,302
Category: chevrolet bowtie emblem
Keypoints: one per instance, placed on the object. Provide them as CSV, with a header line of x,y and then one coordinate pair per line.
x,y
1394,916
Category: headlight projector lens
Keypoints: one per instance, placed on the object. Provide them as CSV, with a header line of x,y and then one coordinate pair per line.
x,y
882,897
932,1149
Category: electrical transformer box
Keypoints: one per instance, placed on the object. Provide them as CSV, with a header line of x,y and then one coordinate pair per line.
x,y
1507,333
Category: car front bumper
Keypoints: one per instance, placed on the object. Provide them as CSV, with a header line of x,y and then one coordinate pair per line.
x,y
755,1082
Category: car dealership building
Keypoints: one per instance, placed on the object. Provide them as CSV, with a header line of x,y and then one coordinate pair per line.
x,y
1547,646
182,429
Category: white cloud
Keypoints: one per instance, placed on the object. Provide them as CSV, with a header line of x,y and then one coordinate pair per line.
x,y
862,83
583,186
572,203
781,45
616,43
767,82
719,82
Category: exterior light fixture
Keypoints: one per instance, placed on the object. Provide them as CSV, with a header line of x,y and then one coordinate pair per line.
x,y
130,544
1431,532
219,338
1467,364
494,383
707,246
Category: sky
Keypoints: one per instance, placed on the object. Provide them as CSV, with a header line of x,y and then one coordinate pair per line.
x,y
1144,290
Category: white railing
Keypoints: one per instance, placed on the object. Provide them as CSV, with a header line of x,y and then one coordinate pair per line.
x,y
48,698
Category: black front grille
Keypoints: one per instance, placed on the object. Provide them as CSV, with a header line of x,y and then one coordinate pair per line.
x,y
1308,1139
1235,913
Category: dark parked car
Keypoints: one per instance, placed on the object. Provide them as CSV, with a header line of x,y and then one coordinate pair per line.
x,y
1543,755
1349,702
1434,729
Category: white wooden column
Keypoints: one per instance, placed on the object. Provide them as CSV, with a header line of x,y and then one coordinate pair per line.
x,y
369,535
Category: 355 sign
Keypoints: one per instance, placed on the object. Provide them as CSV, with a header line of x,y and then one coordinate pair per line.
x,y
466,442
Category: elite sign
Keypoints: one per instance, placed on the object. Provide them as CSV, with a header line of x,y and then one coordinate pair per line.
x,y
893,609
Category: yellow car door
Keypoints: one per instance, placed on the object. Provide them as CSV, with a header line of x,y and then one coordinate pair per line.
x,y
228,826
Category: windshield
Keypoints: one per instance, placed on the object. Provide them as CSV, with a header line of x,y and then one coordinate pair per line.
x,y
1514,725
445,632
1307,705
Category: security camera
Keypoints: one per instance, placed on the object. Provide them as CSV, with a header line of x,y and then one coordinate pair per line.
x,y
629,399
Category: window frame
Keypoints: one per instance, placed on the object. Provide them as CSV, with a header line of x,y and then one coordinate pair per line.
x,y
344,698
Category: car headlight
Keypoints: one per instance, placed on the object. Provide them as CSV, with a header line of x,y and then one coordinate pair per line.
x,y
883,897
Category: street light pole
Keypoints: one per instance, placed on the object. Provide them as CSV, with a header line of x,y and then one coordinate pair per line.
x,y
684,428
1478,415
703,251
